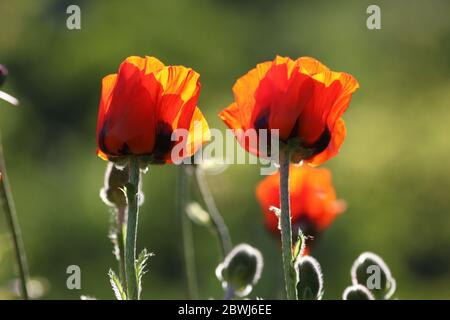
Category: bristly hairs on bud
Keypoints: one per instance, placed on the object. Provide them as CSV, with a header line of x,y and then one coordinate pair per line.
x,y
241,269
309,278
357,292
115,179
113,192
366,259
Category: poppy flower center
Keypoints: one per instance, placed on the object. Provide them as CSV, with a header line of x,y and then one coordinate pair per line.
x,y
305,151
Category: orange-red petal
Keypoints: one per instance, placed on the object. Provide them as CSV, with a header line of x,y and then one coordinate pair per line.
x,y
146,64
180,91
198,133
337,139
312,196
129,121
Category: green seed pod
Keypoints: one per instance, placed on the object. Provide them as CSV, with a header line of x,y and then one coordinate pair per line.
x,y
241,269
357,292
309,278
373,273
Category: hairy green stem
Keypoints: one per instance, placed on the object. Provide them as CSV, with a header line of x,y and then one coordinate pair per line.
x,y
286,228
13,225
219,224
131,230
120,220
186,230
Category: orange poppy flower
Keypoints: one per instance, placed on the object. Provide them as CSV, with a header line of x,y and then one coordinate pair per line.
x,y
313,200
303,99
143,104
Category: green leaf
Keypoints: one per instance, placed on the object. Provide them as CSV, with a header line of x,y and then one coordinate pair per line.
x,y
299,246
140,265
117,286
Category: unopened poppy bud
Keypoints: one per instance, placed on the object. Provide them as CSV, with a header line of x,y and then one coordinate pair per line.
x,y
357,292
372,272
241,269
3,74
309,278
113,193
197,215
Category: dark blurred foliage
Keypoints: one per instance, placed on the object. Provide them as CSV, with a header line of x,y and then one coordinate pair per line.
x,y
392,171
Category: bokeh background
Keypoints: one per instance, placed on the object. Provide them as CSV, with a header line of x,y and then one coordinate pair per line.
x,y
393,170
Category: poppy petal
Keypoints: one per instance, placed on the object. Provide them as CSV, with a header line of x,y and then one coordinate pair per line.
x,y
313,119
108,83
276,98
244,90
232,116
147,64
313,200
130,119
198,132
311,66
181,88
349,86
337,139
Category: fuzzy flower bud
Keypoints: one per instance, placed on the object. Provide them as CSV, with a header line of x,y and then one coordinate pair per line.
x,y
372,272
309,278
116,179
357,292
197,215
241,269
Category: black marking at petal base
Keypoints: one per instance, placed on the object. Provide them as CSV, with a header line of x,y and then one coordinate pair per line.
x,y
262,120
163,141
322,143
125,149
102,137
305,151
262,123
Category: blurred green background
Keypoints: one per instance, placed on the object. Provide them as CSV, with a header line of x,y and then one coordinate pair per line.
x,y
392,171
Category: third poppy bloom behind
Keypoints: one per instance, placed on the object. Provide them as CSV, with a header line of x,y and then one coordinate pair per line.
x,y
314,205
303,99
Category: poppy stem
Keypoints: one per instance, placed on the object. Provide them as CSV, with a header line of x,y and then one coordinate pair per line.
x,y
131,230
13,225
286,228
218,223
120,220
186,230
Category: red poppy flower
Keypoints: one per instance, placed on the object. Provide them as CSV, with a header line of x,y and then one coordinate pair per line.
x,y
303,99
143,104
313,200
